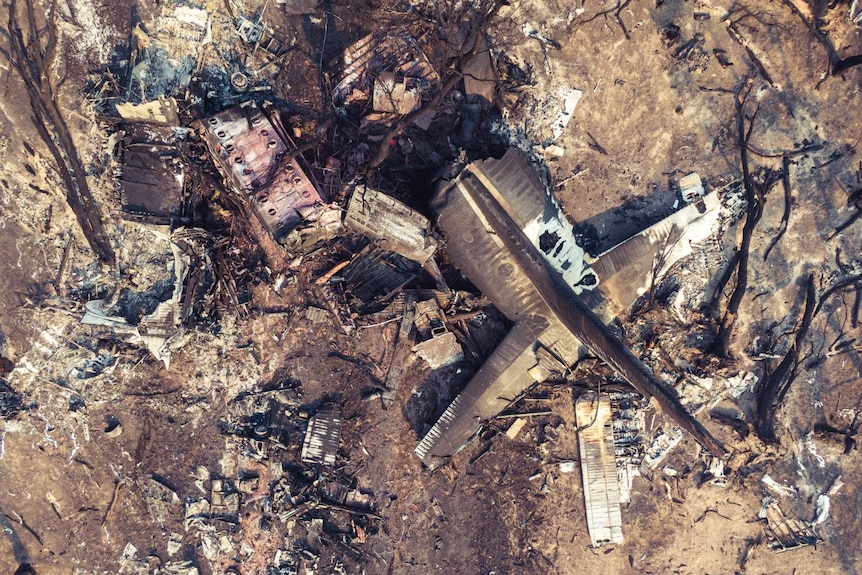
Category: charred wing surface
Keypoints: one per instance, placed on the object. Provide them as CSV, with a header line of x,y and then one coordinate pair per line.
x,y
598,469
479,253
627,267
491,249
504,375
247,149
516,186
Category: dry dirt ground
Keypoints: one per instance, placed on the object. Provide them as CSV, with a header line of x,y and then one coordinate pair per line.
x,y
657,103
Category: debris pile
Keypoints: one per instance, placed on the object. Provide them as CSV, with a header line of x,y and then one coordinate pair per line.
x,y
158,316
390,71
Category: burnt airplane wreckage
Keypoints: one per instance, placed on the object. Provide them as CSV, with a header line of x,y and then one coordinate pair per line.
x,y
496,221
511,239
310,234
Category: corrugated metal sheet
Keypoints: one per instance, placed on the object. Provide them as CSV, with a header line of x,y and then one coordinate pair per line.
x,y
247,149
322,437
598,469
399,227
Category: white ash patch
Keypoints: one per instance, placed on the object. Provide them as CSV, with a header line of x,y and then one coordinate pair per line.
x,y
85,33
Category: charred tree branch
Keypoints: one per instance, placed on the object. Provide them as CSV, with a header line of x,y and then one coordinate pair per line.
x,y
784,154
776,384
785,217
754,212
839,285
837,64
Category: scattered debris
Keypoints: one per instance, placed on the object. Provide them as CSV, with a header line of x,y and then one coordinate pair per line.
x,y
691,188
570,100
628,423
173,301
440,346
637,265
394,97
227,241
784,532
777,488
162,62
163,502
395,55
663,442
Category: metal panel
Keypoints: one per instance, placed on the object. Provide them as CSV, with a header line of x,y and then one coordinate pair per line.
x,y
563,345
598,469
402,229
322,438
152,180
151,187
247,149
475,247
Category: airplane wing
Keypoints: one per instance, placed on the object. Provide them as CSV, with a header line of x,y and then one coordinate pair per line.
x,y
503,376
628,269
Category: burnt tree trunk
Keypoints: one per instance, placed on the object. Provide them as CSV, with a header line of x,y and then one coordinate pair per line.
x,y
32,59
